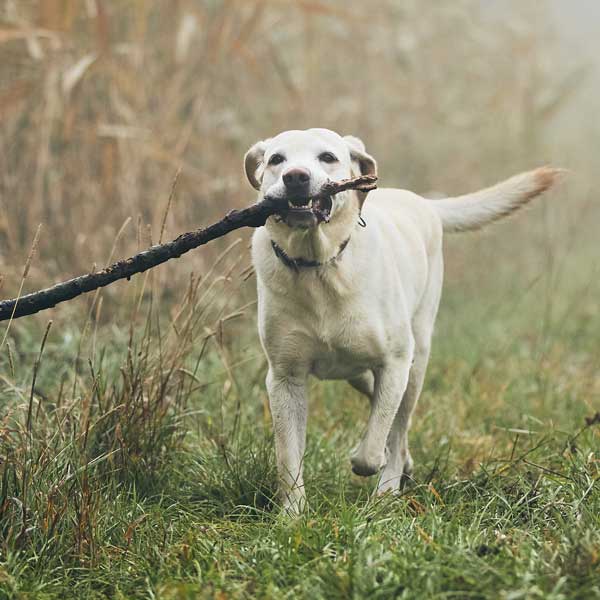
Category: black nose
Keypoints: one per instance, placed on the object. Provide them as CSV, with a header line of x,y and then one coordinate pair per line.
x,y
296,179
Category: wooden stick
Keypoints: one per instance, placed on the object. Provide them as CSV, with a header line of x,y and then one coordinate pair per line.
x,y
253,216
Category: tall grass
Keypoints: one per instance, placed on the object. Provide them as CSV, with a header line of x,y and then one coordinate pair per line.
x,y
113,417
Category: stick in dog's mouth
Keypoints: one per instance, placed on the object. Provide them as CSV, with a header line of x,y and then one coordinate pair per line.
x,y
319,206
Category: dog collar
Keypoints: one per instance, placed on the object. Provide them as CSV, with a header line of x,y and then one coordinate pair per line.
x,y
303,263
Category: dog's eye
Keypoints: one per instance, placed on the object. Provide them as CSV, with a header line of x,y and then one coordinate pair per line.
x,y
327,157
276,159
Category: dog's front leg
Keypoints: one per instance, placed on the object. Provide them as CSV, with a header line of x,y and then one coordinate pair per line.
x,y
287,398
390,384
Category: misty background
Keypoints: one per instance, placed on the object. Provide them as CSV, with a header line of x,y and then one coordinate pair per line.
x,y
102,102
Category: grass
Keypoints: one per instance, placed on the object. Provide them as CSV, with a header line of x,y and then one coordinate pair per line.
x,y
136,458
147,470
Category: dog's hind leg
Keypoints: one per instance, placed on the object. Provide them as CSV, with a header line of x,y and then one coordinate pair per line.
x,y
390,385
399,461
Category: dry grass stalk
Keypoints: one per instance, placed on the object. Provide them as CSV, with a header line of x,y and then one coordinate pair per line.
x,y
36,367
32,250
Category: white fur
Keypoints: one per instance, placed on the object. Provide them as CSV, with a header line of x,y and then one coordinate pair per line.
x,y
366,317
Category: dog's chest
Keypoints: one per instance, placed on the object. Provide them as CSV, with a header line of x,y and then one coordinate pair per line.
x,y
345,337
334,324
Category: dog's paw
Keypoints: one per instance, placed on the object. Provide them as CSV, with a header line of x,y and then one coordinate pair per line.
x,y
365,465
393,480
407,471
293,506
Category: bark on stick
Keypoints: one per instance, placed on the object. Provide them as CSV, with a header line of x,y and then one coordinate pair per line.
x,y
253,216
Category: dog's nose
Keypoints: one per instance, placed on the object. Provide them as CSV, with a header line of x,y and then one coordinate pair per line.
x,y
296,179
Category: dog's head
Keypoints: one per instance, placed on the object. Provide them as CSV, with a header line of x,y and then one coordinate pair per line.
x,y
294,165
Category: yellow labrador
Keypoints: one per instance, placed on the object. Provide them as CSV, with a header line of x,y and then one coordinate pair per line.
x,y
341,301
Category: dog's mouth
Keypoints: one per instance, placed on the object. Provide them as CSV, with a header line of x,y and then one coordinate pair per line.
x,y
317,210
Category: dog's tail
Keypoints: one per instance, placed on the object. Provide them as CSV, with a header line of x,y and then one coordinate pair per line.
x,y
472,211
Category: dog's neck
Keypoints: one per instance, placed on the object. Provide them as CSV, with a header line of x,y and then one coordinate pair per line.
x,y
321,243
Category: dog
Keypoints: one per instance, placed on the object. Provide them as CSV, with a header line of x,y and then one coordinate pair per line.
x,y
338,300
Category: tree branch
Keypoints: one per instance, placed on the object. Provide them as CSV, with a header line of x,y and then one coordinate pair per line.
x,y
253,216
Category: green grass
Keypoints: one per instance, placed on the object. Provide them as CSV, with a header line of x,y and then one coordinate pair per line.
x,y
148,470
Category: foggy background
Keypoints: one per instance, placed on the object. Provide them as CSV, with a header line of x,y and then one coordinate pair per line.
x,y
102,102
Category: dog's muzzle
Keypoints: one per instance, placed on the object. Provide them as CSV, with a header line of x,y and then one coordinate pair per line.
x,y
296,181
303,211
300,208
307,212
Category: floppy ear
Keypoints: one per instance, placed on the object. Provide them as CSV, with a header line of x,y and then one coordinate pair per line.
x,y
252,161
364,163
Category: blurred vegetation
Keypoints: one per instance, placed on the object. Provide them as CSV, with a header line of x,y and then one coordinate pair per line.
x,y
101,102
135,450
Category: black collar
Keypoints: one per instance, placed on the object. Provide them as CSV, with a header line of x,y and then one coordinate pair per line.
x,y
302,263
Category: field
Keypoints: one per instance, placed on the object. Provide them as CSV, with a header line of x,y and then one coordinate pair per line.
x,y
136,454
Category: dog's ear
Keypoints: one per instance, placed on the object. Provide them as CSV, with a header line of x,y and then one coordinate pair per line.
x,y
364,163
252,161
